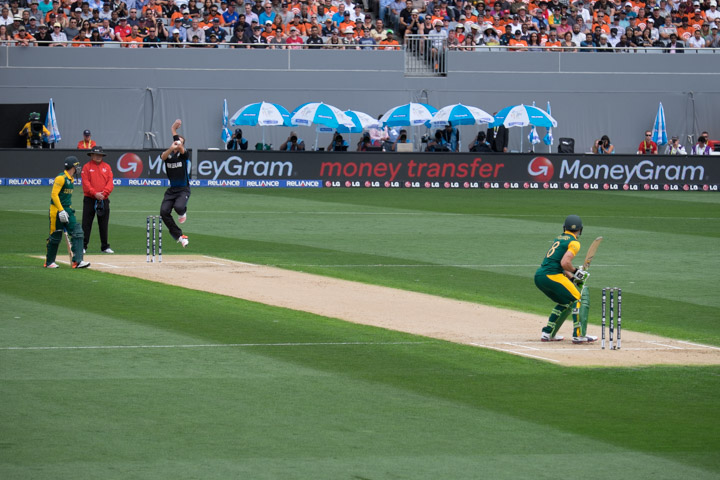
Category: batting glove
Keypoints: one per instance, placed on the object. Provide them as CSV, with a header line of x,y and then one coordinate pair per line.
x,y
64,217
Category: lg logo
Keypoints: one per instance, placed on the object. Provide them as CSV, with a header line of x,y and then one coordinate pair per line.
x,y
541,169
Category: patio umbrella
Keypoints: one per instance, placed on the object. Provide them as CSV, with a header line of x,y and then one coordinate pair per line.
x,y
408,115
361,121
320,114
522,116
460,114
262,114
659,131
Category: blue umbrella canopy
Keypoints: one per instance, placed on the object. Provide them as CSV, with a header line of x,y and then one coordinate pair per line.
x,y
460,114
320,114
262,114
522,116
408,115
361,121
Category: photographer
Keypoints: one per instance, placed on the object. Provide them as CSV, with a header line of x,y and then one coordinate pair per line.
x,y
480,144
401,138
437,143
237,142
293,143
674,147
365,143
338,144
603,146
35,131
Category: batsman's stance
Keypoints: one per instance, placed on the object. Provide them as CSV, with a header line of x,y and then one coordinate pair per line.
x,y
62,217
554,277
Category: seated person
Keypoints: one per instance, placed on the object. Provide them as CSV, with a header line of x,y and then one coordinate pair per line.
x,y
437,143
237,142
293,143
338,144
401,138
480,143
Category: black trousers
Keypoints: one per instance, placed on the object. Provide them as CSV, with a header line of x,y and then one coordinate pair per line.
x,y
103,221
175,198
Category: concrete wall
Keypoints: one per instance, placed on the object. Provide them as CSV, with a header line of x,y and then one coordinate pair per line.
x,y
122,93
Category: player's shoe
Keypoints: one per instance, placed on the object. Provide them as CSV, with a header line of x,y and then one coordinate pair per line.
x,y
585,339
182,218
545,337
82,264
51,265
183,240
108,250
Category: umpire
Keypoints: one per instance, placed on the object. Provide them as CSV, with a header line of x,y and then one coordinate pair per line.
x,y
97,184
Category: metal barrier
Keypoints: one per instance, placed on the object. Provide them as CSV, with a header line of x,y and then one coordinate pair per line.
x,y
425,56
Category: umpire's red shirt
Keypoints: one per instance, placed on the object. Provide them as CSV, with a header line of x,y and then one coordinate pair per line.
x,y
97,177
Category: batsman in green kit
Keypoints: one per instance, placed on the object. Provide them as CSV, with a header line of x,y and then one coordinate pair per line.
x,y
62,217
559,280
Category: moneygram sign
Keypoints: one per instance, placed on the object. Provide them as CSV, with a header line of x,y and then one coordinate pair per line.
x,y
273,169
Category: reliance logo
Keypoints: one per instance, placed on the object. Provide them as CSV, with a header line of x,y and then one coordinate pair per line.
x,y
541,169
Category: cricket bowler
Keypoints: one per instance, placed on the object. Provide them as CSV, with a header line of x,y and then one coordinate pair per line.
x,y
558,279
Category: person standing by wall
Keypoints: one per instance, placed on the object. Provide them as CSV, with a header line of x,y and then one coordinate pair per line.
x,y
497,137
97,184
62,217
177,166
87,142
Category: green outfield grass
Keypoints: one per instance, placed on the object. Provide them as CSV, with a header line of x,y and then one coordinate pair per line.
x,y
301,396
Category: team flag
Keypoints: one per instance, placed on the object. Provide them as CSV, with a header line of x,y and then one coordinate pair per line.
x,y
51,124
226,134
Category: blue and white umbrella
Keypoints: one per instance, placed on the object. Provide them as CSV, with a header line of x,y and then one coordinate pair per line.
x,y
659,131
548,138
225,134
52,125
262,114
460,114
522,116
361,121
408,115
320,113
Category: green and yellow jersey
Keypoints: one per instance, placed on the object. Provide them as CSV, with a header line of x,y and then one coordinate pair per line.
x,y
551,263
61,196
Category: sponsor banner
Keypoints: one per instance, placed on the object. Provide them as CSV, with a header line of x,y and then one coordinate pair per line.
x,y
437,170
274,169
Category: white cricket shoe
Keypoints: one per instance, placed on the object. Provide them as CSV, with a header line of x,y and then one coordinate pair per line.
x,y
585,339
107,250
545,337
182,218
51,265
183,240
82,264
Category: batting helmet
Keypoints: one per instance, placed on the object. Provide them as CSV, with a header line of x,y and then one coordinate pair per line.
x,y
573,223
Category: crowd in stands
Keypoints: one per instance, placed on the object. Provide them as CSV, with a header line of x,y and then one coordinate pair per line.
x,y
517,25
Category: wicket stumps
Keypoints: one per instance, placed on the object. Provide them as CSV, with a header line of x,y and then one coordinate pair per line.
x,y
610,293
156,238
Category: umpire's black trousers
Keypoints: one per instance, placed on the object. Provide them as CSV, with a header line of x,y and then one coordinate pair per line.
x,y
103,216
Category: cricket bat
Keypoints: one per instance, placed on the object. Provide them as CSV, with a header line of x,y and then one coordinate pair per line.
x,y
591,252
69,245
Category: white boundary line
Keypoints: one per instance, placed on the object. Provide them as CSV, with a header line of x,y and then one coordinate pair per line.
x,y
208,345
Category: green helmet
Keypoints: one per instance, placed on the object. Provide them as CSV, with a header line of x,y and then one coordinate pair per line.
x,y
573,223
34,117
